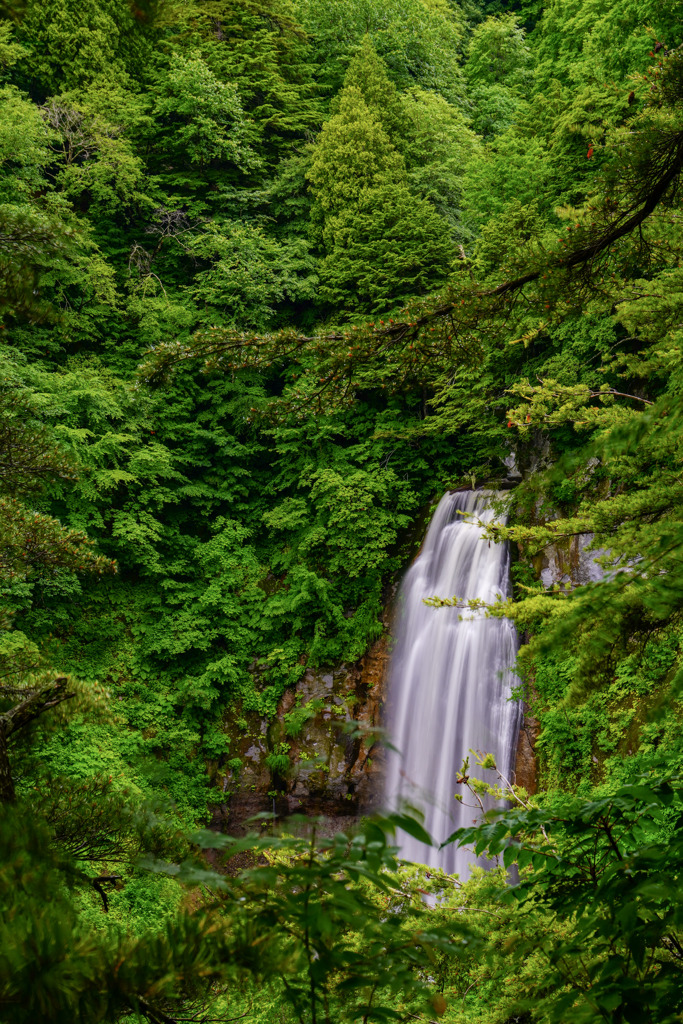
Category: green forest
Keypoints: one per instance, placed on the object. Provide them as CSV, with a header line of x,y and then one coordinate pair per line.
x,y
274,276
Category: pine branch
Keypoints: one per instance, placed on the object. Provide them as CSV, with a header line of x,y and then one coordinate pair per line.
x,y
41,700
19,717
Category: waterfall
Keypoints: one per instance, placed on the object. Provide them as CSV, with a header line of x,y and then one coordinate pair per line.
x,y
450,676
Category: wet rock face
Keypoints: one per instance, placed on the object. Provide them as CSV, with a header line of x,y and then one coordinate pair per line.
x,y
568,563
313,758
528,456
525,760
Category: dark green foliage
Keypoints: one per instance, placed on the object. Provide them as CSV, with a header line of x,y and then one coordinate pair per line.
x,y
420,40
55,968
606,875
292,922
71,44
337,908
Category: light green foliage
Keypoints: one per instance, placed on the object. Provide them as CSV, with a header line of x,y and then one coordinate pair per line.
x,y
10,50
430,133
499,55
24,143
367,72
200,117
300,714
353,153
370,263
382,244
98,165
585,738
278,760
499,73
439,149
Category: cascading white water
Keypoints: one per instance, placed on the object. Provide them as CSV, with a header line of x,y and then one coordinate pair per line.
x,y
451,675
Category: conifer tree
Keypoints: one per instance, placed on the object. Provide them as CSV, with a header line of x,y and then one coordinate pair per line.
x,y
431,134
263,50
368,72
69,43
381,242
498,54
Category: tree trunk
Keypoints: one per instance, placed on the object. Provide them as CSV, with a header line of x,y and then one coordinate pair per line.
x,y
6,781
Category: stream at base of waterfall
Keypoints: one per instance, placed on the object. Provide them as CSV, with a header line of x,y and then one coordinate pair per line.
x,y
451,676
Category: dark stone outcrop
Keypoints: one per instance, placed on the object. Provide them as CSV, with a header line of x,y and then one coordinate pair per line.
x,y
525,759
334,768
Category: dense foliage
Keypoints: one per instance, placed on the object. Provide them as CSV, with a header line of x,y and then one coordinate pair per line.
x,y
273,275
